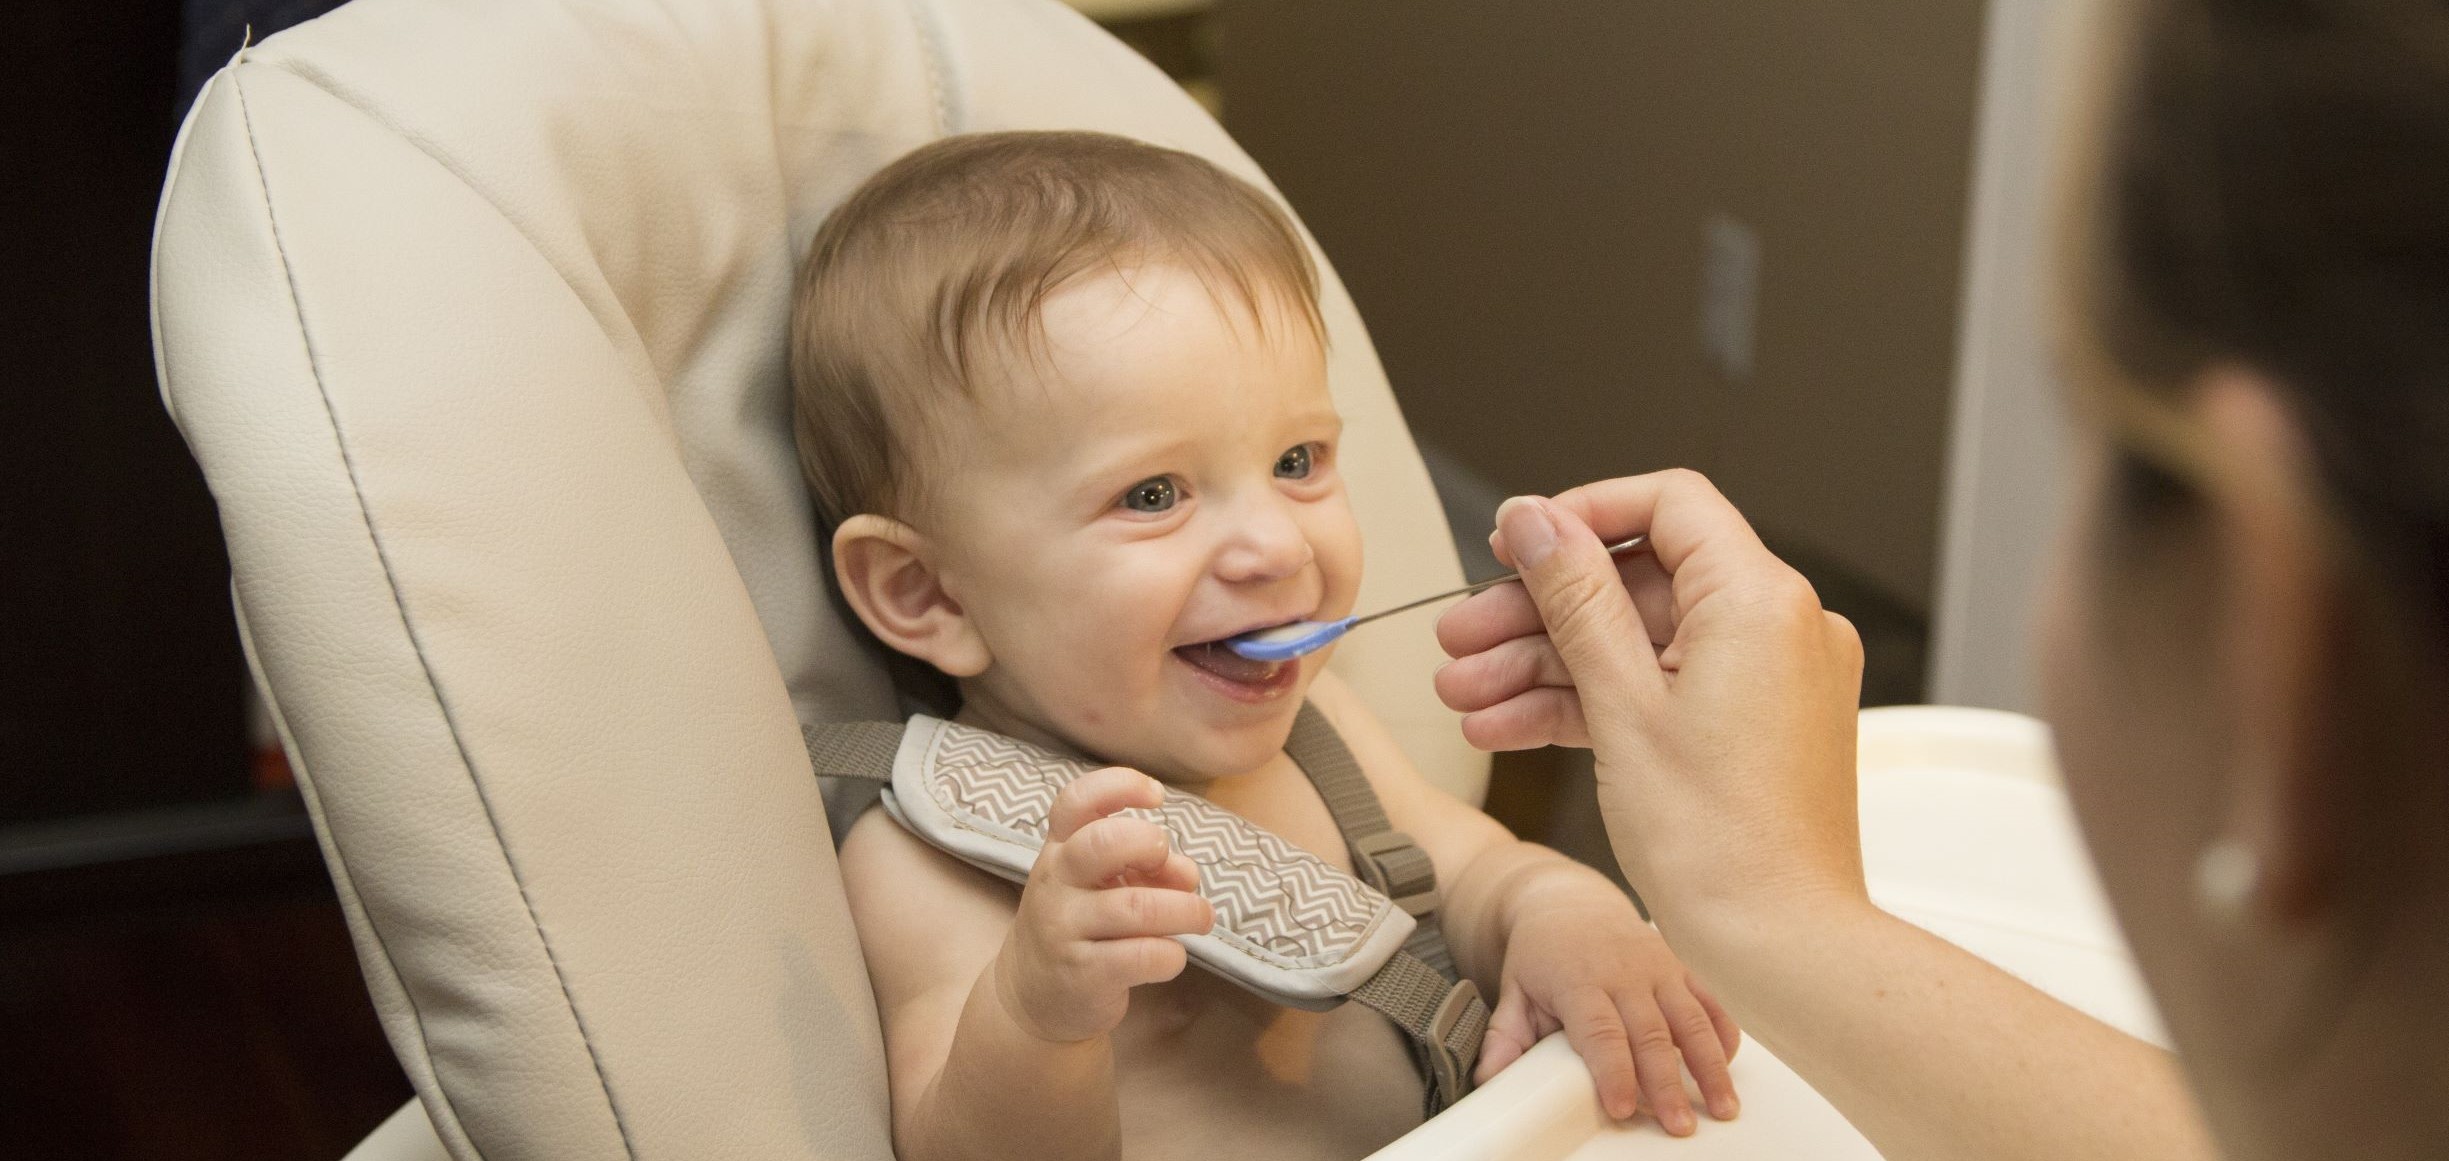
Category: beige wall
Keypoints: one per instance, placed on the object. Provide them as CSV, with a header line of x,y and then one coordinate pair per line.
x,y
1517,194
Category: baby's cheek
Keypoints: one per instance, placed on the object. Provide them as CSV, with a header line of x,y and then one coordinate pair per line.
x,y
1079,693
1107,689
1132,606
1112,650
1339,561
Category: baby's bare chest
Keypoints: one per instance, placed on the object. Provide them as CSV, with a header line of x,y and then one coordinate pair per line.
x,y
1205,1067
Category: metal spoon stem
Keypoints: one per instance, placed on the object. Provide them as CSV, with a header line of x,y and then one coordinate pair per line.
x,y
1617,549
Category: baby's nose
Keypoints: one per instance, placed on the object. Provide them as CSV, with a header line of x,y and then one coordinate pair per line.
x,y
1267,545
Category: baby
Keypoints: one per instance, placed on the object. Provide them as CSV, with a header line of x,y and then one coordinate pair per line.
x,y
1063,399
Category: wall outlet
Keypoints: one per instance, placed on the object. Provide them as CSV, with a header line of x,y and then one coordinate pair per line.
x,y
1730,294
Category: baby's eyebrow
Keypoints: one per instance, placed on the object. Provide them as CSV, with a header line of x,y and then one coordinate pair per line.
x,y
1326,417
1127,460
1130,459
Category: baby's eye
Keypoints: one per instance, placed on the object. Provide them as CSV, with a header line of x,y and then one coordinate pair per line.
x,y
1294,464
1154,494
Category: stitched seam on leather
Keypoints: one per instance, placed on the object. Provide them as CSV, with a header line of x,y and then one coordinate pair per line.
x,y
937,56
342,880
323,84
416,644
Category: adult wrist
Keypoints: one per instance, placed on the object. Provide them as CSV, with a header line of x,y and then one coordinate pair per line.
x,y
1736,927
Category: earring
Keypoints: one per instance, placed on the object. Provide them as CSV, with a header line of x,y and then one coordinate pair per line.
x,y
2227,880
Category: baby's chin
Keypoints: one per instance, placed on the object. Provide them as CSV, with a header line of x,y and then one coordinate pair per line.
x,y
1212,764
1180,733
1185,751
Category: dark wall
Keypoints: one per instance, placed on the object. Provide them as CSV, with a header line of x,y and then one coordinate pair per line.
x,y
120,675
176,981
1519,194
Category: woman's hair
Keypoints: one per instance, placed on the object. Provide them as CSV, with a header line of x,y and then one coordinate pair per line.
x,y
2275,195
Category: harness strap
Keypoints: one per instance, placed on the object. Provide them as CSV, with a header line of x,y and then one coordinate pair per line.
x,y
1383,857
862,750
1444,1019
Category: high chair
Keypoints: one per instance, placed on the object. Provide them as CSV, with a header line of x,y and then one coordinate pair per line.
x,y
473,312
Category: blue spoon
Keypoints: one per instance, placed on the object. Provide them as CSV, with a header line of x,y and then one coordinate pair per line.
x,y
1300,638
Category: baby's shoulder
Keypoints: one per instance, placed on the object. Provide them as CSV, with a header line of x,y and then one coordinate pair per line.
x,y
927,921
881,856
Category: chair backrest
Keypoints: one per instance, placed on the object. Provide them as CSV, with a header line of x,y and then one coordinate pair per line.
x,y
473,312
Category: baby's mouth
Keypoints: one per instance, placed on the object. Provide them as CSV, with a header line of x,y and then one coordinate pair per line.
x,y
1215,658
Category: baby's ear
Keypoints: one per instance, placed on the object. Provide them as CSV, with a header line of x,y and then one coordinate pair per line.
x,y
888,575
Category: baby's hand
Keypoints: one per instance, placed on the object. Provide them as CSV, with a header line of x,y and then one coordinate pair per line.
x,y
1101,900
1580,958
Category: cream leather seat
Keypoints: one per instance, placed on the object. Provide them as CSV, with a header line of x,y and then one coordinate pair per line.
x,y
473,311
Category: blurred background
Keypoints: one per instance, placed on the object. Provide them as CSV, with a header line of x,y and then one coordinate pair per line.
x,y
1789,243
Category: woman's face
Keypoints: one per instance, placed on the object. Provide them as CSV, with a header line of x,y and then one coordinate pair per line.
x,y
2141,655
2231,657
2129,676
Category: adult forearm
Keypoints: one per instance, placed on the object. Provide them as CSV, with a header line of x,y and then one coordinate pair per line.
x,y
1004,1092
1932,1052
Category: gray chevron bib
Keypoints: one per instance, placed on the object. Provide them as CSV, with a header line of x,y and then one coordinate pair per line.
x,y
1289,926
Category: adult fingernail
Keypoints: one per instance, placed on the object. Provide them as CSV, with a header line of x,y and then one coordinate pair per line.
x,y
1725,1108
1529,530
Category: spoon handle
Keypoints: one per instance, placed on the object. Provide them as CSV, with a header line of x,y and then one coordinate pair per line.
x,y
1619,548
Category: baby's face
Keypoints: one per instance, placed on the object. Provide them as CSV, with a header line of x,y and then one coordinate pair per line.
x,y
1164,477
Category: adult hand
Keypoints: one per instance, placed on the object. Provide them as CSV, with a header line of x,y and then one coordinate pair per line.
x,y
1719,699
1716,693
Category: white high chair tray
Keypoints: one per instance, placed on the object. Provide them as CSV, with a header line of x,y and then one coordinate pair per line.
x,y
1966,833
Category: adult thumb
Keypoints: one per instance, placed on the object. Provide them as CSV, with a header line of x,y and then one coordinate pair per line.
x,y
1582,600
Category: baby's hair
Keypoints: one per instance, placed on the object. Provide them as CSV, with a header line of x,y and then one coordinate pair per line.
x,y
942,260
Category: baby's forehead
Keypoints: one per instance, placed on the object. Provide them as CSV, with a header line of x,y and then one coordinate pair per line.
x,y
1136,357
1068,412
1024,402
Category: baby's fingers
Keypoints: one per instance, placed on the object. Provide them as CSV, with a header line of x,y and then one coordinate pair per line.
x,y
1660,1065
1510,1034
1704,1053
1730,1034
1113,850
1095,795
1597,1034
1177,874
1129,912
1131,963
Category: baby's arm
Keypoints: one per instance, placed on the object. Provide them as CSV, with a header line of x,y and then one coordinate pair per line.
x,y
996,1022
1552,942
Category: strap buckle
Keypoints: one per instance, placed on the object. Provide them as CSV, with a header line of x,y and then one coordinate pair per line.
x,y
1396,867
1450,1063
